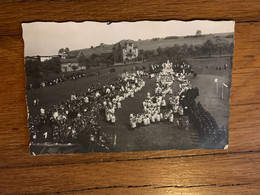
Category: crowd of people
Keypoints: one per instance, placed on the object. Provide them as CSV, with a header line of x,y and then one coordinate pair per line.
x,y
207,128
182,68
155,107
203,122
181,108
60,79
177,68
71,121
77,119
133,83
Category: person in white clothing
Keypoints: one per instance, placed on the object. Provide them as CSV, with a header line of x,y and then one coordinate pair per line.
x,y
86,99
171,119
108,91
132,121
163,103
148,95
119,105
42,111
113,118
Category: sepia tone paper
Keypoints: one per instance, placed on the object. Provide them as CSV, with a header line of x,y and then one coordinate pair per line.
x,y
128,86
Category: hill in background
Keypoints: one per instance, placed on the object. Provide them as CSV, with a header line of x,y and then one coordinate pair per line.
x,y
153,44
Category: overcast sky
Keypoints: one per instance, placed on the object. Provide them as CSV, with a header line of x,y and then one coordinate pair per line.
x,y
46,38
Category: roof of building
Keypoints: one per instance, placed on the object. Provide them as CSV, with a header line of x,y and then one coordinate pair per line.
x,y
101,49
123,43
69,60
97,50
75,54
32,57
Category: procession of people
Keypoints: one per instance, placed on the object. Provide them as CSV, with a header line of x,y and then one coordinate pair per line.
x,y
132,84
180,109
158,107
77,120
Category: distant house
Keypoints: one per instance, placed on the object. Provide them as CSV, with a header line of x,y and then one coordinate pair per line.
x,y
74,61
125,51
32,59
44,58
39,58
71,64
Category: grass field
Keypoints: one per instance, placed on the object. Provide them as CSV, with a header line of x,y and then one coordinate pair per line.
x,y
153,45
158,136
210,99
62,91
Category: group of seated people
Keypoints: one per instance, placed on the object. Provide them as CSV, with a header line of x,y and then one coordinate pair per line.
x,y
206,125
155,68
177,68
76,120
71,121
182,68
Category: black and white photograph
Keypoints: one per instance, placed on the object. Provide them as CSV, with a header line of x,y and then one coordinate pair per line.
x,y
128,86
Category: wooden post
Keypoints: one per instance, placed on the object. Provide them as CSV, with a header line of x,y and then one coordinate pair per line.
x,y
217,86
222,91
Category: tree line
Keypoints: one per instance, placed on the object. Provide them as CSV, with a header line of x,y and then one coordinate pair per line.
x,y
36,68
176,54
179,53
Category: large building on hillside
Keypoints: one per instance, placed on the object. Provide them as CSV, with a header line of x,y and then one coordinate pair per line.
x,y
125,51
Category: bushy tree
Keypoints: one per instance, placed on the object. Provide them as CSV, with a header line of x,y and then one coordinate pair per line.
x,y
231,47
32,67
67,50
191,50
221,46
52,65
198,33
61,50
208,47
